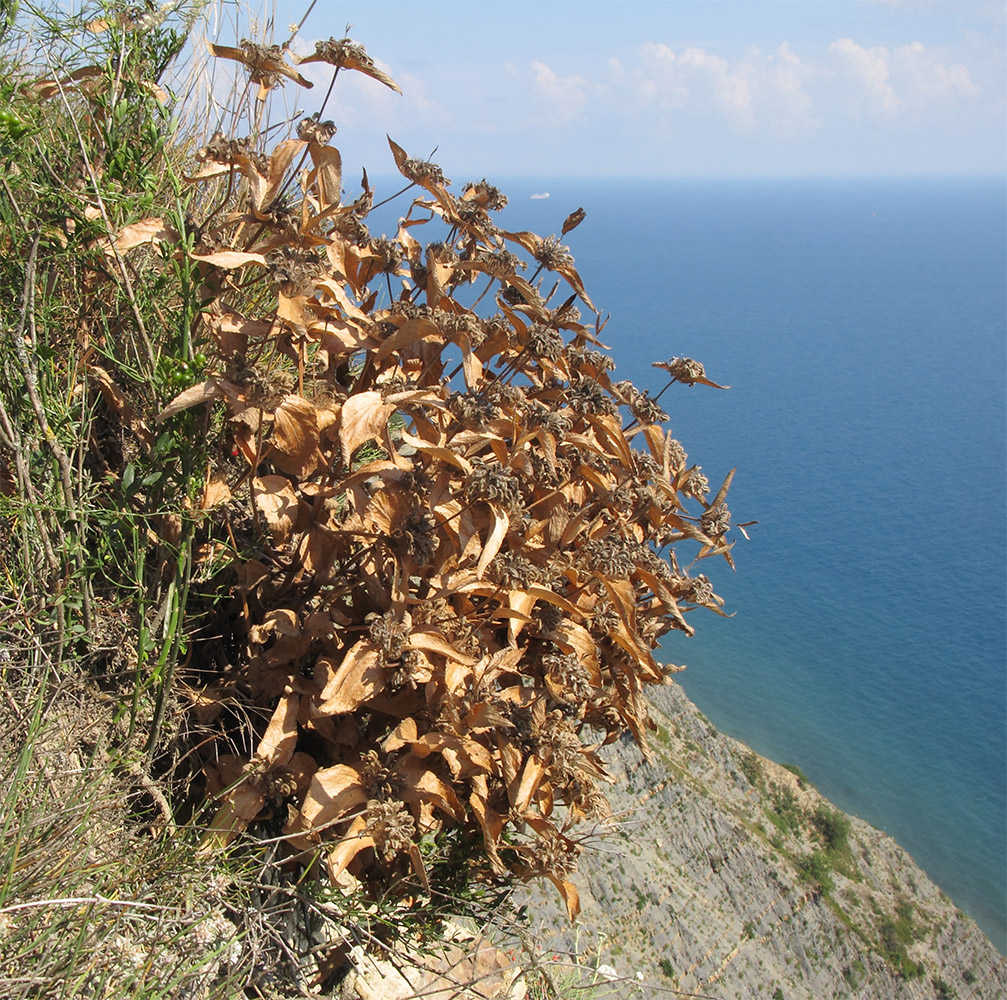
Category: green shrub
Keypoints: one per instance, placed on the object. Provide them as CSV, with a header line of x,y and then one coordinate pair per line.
x,y
751,768
833,826
816,870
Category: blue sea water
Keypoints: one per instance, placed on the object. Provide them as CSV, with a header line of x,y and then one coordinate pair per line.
x,y
861,325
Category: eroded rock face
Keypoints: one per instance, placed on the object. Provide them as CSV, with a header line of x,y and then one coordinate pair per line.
x,y
720,880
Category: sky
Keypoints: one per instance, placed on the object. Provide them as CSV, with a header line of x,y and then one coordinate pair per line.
x,y
666,87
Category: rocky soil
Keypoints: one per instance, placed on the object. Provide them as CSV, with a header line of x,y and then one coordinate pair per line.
x,y
718,882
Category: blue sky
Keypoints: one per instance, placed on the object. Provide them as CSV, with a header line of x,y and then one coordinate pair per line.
x,y
667,88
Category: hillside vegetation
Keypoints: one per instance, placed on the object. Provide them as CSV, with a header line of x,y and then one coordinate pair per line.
x,y
329,558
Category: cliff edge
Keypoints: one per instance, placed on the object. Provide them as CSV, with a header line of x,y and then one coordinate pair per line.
x,y
730,876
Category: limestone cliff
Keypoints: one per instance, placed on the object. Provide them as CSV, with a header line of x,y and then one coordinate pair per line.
x,y
731,877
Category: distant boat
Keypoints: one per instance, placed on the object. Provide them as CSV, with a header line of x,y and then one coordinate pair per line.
x,y
544,194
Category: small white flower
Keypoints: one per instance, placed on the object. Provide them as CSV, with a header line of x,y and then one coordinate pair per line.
x,y
607,971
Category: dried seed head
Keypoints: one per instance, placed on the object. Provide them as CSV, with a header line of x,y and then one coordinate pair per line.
x,y
423,172
453,324
257,58
417,538
377,779
589,362
389,253
351,229
413,311
556,422
587,396
544,343
646,467
440,253
340,52
696,485
551,855
278,784
626,391
570,674
685,370
390,635
547,615
499,263
391,826
294,271
696,589
553,255
676,455
611,555
647,410
222,150
605,618
492,482
512,570
312,130
716,521
486,196
472,412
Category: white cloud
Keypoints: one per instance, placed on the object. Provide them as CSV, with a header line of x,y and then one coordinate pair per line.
x,y
785,80
928,78
564,95
659,79
911,78
760,88
730,86
869,70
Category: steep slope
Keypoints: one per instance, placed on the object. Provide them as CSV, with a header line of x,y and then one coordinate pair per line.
x,y
730,876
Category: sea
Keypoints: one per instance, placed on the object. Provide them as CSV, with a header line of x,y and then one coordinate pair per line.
x,y
862,327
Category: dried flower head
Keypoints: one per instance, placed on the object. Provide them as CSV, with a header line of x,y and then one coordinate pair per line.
x,y
493,482
486,196
553,255
685,370
390,634
696,485
391,826
716,521
312,130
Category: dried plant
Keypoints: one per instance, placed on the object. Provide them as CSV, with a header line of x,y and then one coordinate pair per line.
x,y
448,541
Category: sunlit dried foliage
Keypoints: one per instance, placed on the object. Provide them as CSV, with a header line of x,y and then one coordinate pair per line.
x,y
453,542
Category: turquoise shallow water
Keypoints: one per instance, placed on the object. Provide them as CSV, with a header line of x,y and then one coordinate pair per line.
x,y
862,327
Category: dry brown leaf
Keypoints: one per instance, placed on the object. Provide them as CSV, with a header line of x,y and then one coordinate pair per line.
x,y
569,894
295,436
420,784
573,220
262,62
117,400
359,677
345,54
215,492
495,539
277,744
265,189
229,259
202,392
355,840
276,501
144,231
333,792
363,418
433,642
327,175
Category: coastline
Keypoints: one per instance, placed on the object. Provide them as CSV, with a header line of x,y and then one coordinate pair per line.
x,y
709,884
